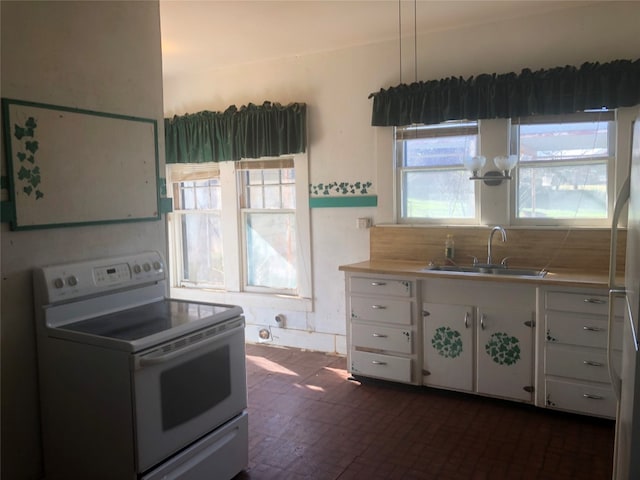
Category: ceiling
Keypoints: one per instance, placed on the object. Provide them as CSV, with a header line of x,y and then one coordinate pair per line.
x,y
203,35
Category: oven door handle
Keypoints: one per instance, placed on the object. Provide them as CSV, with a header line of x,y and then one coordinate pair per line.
x,y
158,360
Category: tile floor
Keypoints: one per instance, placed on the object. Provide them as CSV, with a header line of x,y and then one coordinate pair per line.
x,y
307,421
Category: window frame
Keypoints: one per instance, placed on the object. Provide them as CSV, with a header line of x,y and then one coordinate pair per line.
x,y
244,211
611,160
177,174
400,136
234,290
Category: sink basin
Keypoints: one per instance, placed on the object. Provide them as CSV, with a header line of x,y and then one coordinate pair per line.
x,y
488,270
523,272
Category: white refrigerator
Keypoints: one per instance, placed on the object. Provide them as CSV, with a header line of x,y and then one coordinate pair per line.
x,y
626,383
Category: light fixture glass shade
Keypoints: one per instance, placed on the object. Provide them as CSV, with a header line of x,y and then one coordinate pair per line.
x,y
506,163
474,164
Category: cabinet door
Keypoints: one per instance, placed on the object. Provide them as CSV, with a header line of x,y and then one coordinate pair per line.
x,y
448,346
505,353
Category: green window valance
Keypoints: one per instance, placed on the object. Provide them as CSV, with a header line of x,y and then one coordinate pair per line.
x,y
543,92
252,131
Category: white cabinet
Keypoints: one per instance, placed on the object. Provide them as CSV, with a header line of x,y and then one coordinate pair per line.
x,y
382,328
448,346
505,351
478,337
574,367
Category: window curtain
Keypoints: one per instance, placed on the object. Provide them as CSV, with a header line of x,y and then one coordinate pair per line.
x,y
252,131
543,92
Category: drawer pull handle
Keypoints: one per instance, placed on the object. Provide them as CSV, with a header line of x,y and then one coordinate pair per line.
x,y
379,335
377,362
597,301
593,329
378,307
483,317
378,284
466,319
592,397
593,364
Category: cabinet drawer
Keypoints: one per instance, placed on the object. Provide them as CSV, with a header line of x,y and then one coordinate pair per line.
x,y
381,309
581,397
581,363
582,303
387,367
584,330
381,286
381,338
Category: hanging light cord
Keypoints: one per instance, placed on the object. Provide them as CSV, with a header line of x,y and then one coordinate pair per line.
x,y
415,40
400,37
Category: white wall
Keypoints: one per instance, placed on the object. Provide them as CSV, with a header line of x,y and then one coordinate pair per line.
x,y
344,147
102,56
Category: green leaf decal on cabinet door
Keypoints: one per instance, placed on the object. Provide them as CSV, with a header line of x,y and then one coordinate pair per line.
x,y
447,342
503,349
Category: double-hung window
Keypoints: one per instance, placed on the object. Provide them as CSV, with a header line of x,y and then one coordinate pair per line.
x,y
197,212
431,181
268,211
241,227
564,174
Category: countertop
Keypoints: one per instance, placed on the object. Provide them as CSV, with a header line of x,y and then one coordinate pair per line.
x,y
418,270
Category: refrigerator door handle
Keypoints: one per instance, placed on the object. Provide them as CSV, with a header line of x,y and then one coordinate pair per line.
x,y
616,381
623,198
614,290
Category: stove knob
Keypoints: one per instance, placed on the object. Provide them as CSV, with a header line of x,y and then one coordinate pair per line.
x,y
157,265
136,268
58,283
72,280
146,267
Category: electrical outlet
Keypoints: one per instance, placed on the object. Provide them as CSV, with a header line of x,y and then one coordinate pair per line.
x,y
363,222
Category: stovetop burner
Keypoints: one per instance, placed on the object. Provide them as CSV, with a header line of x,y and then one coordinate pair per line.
x,y
146,320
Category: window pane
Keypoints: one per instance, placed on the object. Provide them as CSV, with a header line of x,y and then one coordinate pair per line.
x,y
289,196
202,248
562,172
288,175
201,195
438,194
187,196
563,192
271,176
557,141
253,177
433,183
440,151
255,197
272,197
271,250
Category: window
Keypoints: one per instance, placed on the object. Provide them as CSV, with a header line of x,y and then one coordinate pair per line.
x,y
563,172
432,183
197,209
237,227
268,205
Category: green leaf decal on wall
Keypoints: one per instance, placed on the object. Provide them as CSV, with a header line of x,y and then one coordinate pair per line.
x,y
340,188
503,348
30,177
447,342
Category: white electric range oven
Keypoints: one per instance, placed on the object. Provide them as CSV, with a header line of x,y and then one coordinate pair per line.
x,y
134,385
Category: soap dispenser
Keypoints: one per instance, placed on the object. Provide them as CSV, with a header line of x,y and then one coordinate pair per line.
x,y
449,248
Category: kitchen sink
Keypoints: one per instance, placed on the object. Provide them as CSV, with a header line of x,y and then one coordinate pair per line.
x,y
488,270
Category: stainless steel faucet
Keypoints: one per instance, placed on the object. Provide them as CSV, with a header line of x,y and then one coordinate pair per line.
x,y
495,229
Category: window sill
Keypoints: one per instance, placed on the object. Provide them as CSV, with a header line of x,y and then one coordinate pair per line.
x,y
243,299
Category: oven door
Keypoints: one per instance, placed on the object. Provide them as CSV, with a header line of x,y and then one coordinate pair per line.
x,y
186,388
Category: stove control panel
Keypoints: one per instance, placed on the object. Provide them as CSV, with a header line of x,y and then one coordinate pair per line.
x,y
75,280
111,274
